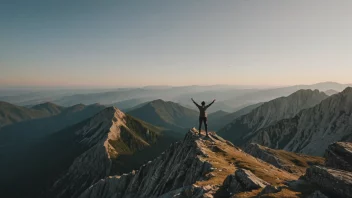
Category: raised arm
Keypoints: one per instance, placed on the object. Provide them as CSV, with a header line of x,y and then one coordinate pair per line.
x,y
195,103
210,103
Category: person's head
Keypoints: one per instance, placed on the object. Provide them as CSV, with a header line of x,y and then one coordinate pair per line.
x,y
203,103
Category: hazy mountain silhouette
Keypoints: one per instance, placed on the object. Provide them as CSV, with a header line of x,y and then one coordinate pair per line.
x,y
331,92
10,113
56,118
168,115
219,122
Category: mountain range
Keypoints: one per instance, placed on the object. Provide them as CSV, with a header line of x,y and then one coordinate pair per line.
x,y
312,129
229,98
74,158
48,118
295,145
269,113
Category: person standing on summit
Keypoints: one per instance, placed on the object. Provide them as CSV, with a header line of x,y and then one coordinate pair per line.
x,y
203,115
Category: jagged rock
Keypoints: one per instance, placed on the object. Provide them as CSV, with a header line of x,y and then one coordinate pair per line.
x,y
178,167
317,194
291,162
270,189
311,130
242,180
192,191
256,151
339,156
337,182
240,130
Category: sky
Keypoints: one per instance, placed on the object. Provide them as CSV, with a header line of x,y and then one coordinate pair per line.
x,y
111,43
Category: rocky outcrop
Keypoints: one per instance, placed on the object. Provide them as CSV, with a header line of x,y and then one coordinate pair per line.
x,y
244,127
312,130
336,182
198,166
176,168
242,180
270,189
291,162
264,154
317,194
339,156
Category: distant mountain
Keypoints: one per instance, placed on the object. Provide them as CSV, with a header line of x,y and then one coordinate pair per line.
x,y
313,129
48,107
220,122
270,113
71,160
10,114
126,105
270,94
55,119
331,92
168,115
218,114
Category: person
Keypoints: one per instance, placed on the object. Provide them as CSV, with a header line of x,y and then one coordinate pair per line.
x,y
203,115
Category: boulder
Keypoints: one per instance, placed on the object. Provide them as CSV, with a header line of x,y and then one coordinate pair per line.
x,y
339,156
242,180
317,194
270,189
337,182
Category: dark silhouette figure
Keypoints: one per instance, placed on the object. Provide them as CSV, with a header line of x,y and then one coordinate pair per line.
x,y
203,115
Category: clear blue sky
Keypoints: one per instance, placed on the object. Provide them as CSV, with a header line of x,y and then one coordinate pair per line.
x,y
132,43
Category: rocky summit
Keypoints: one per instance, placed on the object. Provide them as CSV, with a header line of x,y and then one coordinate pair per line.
x,y
199,167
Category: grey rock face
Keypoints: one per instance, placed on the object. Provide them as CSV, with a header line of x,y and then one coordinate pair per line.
x,y
176,168
312,130
270,189
244,127
317,194
337,182
242,180
256,151
339,156
192,191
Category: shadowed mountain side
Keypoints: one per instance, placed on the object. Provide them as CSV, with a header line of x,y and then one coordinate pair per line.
x,y
70,160
168,115
313,129
269,113
10,114
37,128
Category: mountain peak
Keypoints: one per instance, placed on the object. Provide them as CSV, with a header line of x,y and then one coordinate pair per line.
x,y
348,90
195,164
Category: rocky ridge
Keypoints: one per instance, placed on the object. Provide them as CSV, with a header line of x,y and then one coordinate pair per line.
x,y
194,167
312,130
99,144
244,127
